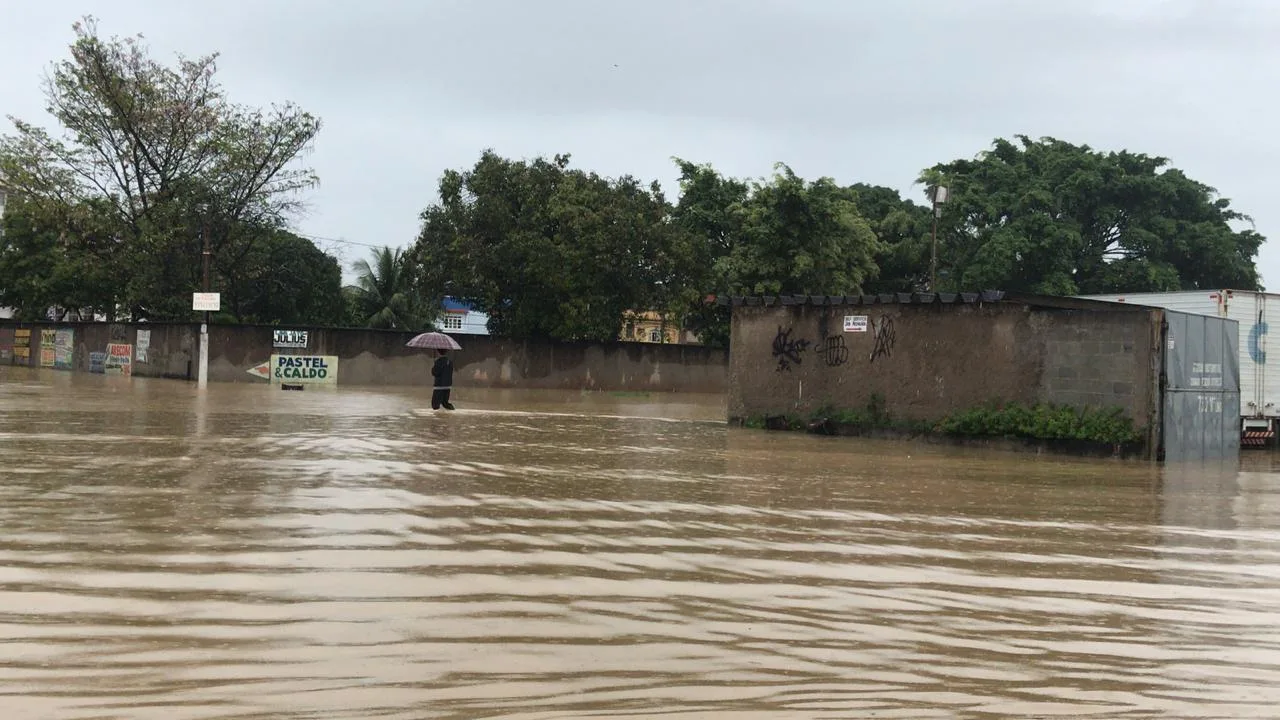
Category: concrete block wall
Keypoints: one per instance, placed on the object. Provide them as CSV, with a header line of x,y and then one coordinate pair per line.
x,y
374,357
1084,359
928,361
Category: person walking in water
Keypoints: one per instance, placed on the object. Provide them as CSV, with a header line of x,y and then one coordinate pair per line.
x,y
442,371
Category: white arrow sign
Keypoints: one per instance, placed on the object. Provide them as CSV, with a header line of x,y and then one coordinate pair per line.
x,y
262,371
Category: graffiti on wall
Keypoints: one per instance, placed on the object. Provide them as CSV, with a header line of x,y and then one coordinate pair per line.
x,y
786,350
885,338
834,351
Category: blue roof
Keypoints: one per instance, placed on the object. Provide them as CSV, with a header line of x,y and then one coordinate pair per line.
x,y
453,304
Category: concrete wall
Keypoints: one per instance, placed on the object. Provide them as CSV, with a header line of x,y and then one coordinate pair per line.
x,y
1099,359
930,360
372,357
169,350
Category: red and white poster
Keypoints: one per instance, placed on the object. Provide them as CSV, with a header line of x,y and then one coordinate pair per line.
x,y
119,359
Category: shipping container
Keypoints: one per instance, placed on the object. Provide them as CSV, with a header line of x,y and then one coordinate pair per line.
x,y
1259,382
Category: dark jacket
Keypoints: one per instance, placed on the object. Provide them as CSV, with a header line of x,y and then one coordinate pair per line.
x,y
442,371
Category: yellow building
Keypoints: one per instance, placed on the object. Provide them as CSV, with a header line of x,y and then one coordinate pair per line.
x,y
652,326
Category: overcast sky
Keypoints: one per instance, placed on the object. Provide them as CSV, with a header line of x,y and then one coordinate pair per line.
x,y
858,90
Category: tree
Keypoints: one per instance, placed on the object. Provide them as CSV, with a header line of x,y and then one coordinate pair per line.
x,y
1050,217
351,315
548,251
286,280
386,295
168,157
802,238
55,258
712,214
781,236
903,231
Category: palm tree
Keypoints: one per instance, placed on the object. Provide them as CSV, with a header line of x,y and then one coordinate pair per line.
x,y
385,294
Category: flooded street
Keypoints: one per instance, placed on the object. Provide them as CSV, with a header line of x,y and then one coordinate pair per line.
x,y
252,553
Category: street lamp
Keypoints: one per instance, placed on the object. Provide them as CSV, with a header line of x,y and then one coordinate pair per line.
x,y
938,195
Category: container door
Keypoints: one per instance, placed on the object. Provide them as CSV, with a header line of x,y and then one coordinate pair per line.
x,y
1202,388
1268,378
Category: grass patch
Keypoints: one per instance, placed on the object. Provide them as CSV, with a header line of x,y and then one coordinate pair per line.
x,y
1042,421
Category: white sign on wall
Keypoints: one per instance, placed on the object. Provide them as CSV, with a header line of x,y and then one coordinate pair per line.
x,y
206,302
855,323
289,338
141,347
312,369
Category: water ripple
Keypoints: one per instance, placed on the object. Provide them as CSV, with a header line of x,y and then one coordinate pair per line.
x,y
254,556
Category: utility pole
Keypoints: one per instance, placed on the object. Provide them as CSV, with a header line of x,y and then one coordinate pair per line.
x,y
938,195
204,235
203,378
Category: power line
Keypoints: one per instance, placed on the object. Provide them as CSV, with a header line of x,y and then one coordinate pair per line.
x,y
341,241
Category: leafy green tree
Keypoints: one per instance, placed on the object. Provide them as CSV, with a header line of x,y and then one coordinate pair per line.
x,y
286,279
386,295
903,231
712,213
1050,217
66,259
802,238
163,152
549,251
350,297
55,258
781,236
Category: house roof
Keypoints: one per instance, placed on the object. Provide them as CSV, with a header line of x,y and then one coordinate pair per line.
x,y
454,305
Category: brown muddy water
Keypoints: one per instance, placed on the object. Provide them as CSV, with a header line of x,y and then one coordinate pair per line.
x,y
250,553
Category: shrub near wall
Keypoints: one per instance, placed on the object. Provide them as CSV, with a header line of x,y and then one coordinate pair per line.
x,y
1043,422
1083,430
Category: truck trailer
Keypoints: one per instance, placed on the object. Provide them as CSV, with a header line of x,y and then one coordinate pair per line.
x,y
1259,382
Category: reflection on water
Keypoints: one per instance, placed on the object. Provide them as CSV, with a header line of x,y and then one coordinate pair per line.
x,y
247,553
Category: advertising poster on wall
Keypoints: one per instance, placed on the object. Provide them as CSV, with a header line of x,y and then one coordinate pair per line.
x,y
97,362
305,369
6,345
22,346
142,346
47,336
119,359
64,349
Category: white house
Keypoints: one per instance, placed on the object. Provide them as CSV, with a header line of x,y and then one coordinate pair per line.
x,y
462,318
